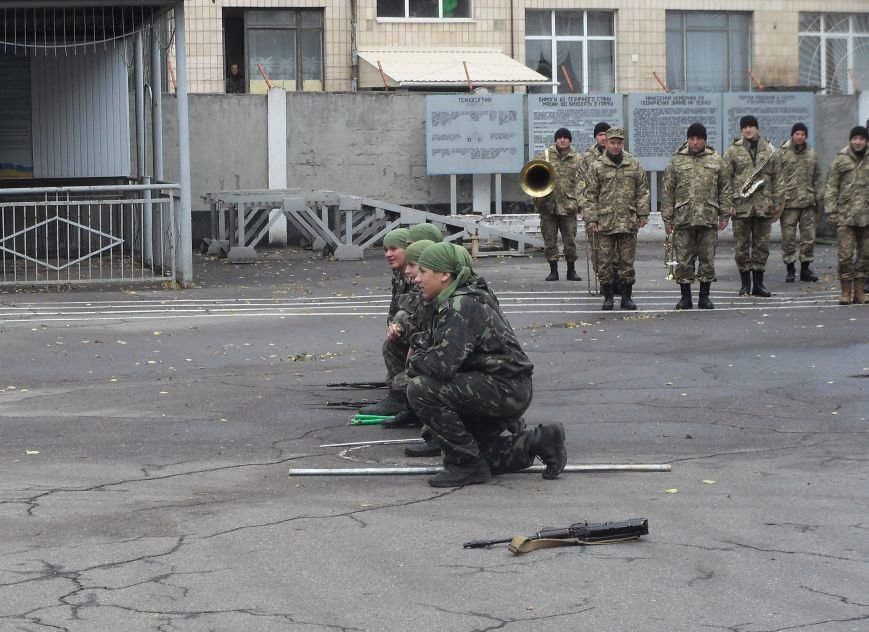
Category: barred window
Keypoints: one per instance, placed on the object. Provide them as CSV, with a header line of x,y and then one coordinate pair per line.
x,y
834,52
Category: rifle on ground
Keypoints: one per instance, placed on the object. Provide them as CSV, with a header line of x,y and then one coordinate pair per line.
x,y
367,385
581,533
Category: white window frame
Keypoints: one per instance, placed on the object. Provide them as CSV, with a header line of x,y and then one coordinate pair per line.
x,y
585,39
824,36
439,19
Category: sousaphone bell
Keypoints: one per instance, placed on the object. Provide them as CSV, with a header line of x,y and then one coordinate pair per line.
x,y
537,178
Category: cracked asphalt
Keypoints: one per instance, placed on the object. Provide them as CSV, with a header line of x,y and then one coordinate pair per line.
x,y
146,436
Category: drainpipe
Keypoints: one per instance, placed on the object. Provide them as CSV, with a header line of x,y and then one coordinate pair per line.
x,y
354,58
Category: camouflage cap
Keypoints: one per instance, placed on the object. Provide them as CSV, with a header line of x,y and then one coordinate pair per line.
x,y
615,132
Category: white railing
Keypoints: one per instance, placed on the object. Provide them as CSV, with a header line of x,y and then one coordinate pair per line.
x,y
88,234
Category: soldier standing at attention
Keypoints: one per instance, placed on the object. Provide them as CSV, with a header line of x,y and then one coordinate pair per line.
x,y
847,205
695,203
395,349
591,154
749,160
470,380
801,192
559,209
616,205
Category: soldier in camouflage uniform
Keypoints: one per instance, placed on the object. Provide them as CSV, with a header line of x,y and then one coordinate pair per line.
x,y
847,205
616,205
470,380
591,154
752,215
695,205
559,209
801,192
394,349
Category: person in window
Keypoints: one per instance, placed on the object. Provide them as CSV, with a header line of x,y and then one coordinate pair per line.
x,y
235,83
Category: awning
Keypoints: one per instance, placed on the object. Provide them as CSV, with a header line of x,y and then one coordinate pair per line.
x,y
443,67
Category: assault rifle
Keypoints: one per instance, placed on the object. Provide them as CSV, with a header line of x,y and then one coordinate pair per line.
x,y
581,533
362,385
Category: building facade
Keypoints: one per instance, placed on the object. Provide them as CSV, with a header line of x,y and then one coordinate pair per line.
x,y
583,46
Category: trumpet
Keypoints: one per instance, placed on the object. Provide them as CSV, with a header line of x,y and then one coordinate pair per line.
x,y
670,257
537,178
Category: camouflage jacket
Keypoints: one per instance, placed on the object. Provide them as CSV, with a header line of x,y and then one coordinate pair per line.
x,y
467,334
414,313
696,190
562,201
616,196
847,199
589,156
740,165
800,177
400,286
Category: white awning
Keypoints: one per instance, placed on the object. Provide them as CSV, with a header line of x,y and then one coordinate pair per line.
x,y
443,67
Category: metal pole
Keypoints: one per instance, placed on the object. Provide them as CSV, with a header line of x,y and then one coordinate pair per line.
x,y
141,153
156,106
375,471
360,443
185,225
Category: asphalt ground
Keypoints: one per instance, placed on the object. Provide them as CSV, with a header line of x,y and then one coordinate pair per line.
x,y
147,435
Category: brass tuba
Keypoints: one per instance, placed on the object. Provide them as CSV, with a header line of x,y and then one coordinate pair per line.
x,y
537,178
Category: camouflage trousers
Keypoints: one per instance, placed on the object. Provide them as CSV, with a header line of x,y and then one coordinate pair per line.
x,y
395,358
468,414
751,235
593,245
695,243
853,242
805,219
616,255
550,225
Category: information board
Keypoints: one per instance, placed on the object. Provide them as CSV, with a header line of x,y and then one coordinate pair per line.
x,y
658,123
474,134
577,112
776,112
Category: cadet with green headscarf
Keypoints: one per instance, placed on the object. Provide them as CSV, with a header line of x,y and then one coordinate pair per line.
x,y
424,231
394,349
469,379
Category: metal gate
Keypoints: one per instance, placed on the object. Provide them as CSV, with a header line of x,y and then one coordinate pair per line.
x,y
88,234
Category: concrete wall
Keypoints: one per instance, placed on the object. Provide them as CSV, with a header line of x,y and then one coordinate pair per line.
x,y
369,144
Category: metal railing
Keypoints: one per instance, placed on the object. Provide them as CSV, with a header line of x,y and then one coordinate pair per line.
x,y
88,234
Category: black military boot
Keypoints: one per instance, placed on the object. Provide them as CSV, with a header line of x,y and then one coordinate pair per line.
x,y
547,442
405,419
553,271
792,273
617,285
703,302
607,289
746,283
685,301
394,403
627,303
468,473
571,272
758,288
429,447
806,273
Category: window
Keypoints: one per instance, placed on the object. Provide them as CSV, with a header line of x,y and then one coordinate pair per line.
x,y
708,51
581,43
834,52
424,9
286,43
